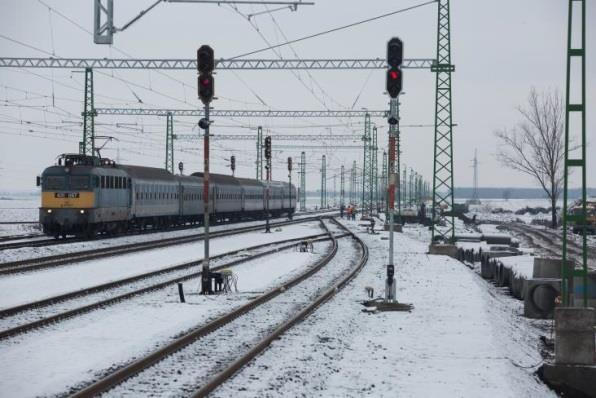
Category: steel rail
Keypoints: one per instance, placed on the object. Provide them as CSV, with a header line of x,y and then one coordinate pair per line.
x,y
287,244
67,258
234,367
552,242
133,368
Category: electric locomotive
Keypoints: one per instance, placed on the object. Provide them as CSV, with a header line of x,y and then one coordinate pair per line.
x,y
85,195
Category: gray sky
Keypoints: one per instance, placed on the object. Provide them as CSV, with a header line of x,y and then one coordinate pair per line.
x,y
500,48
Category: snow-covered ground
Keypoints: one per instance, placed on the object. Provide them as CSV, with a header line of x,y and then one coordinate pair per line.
x,y
32,286
35,252
501,210
19,208
50,361
463,339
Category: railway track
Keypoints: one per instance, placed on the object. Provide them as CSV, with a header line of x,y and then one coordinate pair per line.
x,y
19,241
550,243
8,238
86,255
199,361
49,311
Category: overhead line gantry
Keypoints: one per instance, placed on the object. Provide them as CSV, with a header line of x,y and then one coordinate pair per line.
x,y
222,64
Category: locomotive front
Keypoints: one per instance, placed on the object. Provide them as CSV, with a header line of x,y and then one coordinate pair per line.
x,y
68,195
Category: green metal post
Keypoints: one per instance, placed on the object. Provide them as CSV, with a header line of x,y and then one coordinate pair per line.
x,y
303,181
374,171
259,153
170,142
367,185
323,183
443,140
342,191
575,106
88,114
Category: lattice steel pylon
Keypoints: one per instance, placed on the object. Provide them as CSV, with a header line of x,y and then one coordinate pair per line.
x,y
170,143
302,181
353,183
323,182
375,171
443,141
367,166
575,104
259,164
342,185
87,146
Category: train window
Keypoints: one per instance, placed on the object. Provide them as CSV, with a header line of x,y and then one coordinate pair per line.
x,y
111,180
103,181
54,182
79,182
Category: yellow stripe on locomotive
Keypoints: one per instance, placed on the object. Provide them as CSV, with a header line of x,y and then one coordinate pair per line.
x,y
68,200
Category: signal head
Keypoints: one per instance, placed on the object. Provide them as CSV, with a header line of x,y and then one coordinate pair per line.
x,y
205,61
395,50
206,85
394,82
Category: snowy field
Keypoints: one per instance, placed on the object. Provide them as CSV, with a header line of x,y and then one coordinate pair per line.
x,y
463,338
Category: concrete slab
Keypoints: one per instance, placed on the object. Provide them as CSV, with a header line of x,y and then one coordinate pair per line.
x,y
443,249
574,336
570,380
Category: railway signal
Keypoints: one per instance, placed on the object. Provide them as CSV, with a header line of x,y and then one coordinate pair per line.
x,y
206,86
233,164
205,59
290,164
268,171
395,58
268,147
205,66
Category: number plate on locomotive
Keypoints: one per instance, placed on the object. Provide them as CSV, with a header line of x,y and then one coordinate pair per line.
x,y
64,195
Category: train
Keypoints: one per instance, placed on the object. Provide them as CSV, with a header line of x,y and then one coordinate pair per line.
x,y
85,195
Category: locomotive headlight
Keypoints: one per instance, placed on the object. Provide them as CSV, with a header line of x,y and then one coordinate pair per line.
x,y
49,211
82,211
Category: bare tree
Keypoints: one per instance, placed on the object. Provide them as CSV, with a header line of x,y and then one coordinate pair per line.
x,y
536,145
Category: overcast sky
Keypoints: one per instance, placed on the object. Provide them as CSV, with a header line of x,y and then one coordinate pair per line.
x,y
501,49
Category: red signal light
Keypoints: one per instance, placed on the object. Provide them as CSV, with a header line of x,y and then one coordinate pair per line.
x,y
394,74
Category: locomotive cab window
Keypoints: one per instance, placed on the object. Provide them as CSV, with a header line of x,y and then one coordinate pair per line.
x,y
79,182
54,182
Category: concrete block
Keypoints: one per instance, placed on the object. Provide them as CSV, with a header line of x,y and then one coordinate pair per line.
x,y
539,297
486,270
518,286
547,267
574,336
443,249
570,380
396,227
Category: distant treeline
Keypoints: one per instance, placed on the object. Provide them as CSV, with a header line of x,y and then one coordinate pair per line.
x,y
514,193
491,193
